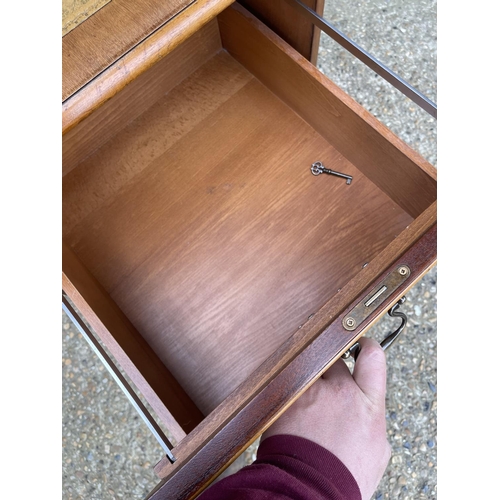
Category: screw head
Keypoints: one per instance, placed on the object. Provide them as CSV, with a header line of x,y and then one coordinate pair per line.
x,y
403,270
350,322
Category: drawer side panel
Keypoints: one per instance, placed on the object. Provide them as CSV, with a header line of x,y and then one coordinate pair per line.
x,y
386,160
132,353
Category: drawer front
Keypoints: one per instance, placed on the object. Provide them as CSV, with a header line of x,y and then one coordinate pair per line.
x,y
183,478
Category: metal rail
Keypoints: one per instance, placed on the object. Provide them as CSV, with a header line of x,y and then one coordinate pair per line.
x,y
120,379
365,57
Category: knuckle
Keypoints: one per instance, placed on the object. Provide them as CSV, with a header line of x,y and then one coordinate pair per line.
x,y
374,357
374,351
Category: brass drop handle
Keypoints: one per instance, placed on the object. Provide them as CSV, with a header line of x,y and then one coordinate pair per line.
x,y
391,338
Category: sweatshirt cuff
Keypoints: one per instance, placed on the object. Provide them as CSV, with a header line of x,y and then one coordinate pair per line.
x,y
312,455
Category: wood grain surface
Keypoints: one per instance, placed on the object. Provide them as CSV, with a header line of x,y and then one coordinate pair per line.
x,y
203,222
90,134
132,64
315,324
111,32
392,165
129,349
189,476
74,12
289,24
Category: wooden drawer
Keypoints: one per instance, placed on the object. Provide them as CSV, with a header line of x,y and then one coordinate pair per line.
x,y
198,245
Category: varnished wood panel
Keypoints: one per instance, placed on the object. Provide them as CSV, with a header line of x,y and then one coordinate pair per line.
x,y
138,60
132,353
90,134
279,359
394,167
316,37
188,477
116,165
212,235
289,24
108,34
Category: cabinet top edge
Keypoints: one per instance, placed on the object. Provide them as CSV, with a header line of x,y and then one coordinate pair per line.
x,y
93,93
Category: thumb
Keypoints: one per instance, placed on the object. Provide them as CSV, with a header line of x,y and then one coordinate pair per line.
x,y
370,370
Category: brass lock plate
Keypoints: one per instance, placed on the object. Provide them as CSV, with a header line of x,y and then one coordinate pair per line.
x,y
376,296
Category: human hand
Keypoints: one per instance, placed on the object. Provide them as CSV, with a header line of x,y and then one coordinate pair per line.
x,y
345,414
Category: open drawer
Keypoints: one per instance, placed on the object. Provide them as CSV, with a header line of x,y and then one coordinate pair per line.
x,y
211,262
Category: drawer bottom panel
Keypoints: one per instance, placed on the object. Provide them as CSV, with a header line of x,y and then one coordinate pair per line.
x,y
204,223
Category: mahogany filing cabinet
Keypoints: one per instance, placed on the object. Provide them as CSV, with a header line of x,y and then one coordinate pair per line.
x,y
221,274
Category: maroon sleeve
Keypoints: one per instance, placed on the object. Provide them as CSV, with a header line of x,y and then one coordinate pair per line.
x,y
288,467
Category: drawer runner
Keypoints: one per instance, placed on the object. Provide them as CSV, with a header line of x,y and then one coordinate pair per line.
x,y
119,379
366,58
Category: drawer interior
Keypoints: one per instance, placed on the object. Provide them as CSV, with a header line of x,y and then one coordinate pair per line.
x,y
199,217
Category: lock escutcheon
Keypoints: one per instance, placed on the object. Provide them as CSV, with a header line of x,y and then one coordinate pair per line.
x,y
365,307
391,338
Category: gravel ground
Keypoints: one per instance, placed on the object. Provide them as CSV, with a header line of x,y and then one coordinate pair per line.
x,y
108,452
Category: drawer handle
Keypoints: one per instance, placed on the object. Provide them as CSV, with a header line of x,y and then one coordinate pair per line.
x,y
391,338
